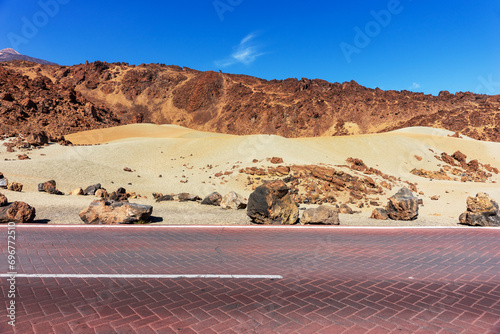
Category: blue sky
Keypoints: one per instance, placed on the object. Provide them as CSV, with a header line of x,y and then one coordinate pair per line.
x,y
419,45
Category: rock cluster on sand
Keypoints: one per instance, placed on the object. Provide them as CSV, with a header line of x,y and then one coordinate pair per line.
x,y
18,212
324,214
111,212
481,211
271,203
401,206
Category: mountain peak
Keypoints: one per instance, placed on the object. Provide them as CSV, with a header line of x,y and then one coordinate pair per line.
x,y
9,54
10,51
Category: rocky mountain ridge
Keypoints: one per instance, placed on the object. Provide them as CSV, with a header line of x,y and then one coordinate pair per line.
x,y
67,99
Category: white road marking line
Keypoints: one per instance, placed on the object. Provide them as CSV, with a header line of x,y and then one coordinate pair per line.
x,y
141,276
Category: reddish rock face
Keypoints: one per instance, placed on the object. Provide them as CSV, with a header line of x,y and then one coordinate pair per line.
x,y
18,212
75,99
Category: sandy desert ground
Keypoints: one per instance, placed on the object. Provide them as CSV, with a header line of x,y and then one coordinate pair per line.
x,y
180,154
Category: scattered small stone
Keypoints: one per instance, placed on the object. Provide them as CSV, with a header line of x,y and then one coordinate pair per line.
x,y
127,169
3,200
23,157
76,192
233,201
90,190
380,214
276,160
49,187
345,209
435,198
212,199
14,186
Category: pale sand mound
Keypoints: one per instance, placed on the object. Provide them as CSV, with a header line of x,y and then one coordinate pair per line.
x,y
179,154
101,136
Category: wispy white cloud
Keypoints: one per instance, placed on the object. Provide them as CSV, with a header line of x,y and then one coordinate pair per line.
x,y
246,52
415,85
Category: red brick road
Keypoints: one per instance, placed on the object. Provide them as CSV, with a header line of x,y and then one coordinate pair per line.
x,y
334,280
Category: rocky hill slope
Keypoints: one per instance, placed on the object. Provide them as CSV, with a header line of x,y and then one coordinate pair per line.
x,y
62,100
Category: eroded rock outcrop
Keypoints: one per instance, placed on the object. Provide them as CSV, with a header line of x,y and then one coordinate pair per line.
x,y
271,203
481,211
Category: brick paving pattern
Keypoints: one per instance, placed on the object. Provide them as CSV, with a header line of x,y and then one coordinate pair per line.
x,y
335,280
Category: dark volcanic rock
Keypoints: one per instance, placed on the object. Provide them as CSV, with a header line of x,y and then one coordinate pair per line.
x,y
271,203
18,212
324,214
212,199
49,187
38,139
164,198
109,212
90,190
186,197
403,205
481,211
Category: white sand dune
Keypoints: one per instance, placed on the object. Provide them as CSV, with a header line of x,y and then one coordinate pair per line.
x,y
179,154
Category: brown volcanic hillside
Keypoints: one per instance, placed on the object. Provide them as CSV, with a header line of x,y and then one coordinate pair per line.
x,y
235,104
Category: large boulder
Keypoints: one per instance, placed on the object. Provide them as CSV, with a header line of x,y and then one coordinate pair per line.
x,y
212,199
18,212
324,214
49,187
110,212
90,190
481,211
271,203
403,205
233,201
